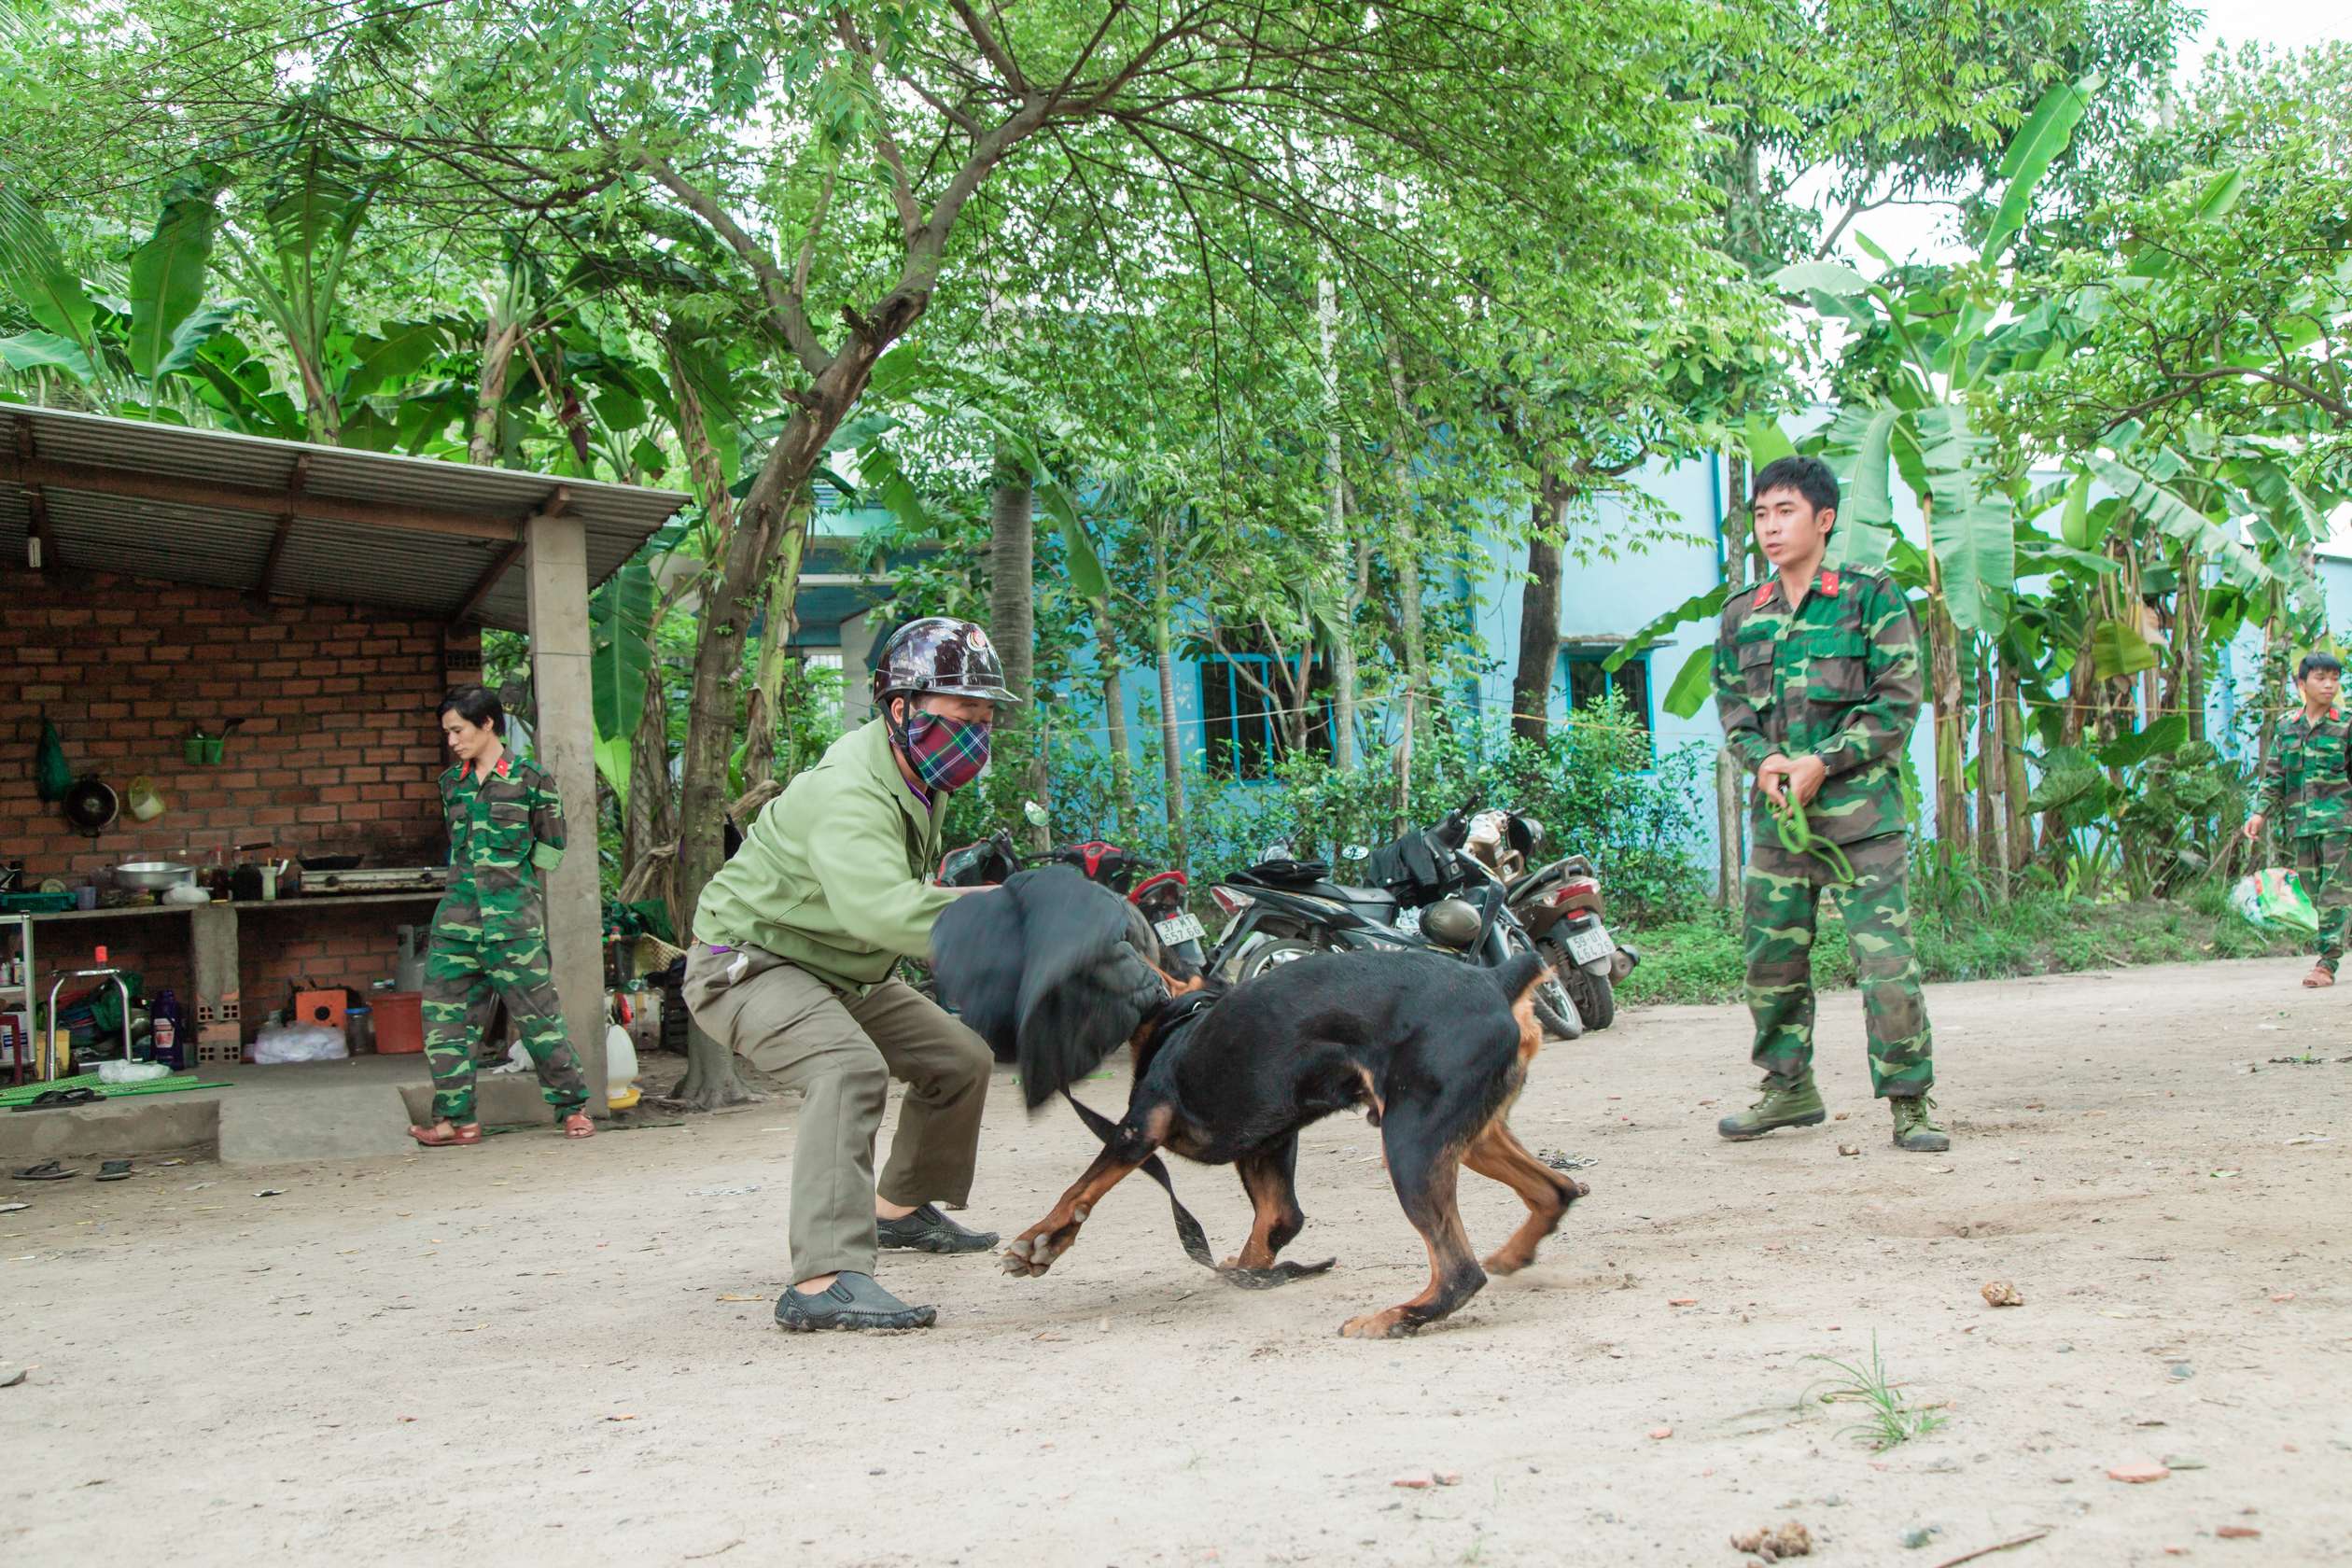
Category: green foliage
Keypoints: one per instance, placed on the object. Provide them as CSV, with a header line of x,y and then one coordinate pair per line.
x,y
1889,1418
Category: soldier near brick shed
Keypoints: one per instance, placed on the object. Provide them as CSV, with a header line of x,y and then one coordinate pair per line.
x,y
2306,788
1818,684
506,826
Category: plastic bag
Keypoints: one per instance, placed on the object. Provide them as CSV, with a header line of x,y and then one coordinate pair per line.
x,y
300,1043
131,1072
52,776
2274,900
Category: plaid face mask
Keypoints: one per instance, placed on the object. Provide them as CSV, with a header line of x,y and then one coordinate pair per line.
x,y
944,753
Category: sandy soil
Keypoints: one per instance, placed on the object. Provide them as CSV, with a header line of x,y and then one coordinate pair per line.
x,y
532,1352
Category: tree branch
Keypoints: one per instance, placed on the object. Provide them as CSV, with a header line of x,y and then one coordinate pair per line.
x,y
993,51
2187,379
784,317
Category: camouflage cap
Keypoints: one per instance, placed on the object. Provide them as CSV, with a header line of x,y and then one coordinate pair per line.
x,y
939,656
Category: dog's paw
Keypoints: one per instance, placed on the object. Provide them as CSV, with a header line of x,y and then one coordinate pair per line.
x,y
1034,1253
1390,1324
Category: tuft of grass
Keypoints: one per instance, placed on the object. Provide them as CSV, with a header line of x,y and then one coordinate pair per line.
x,y
2041,930
1887,1417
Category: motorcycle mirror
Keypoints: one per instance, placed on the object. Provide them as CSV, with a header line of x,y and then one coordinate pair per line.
x,y
1035,814
1275,852
1356,852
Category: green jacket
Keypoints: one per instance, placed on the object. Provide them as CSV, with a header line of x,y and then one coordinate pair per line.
x,y
503,831
2305,790
1837,677
830,875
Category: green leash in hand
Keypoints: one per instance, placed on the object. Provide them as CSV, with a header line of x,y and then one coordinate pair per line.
x,y
1797,837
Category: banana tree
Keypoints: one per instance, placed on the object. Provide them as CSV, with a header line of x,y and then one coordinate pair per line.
x,y
118,353
1933,347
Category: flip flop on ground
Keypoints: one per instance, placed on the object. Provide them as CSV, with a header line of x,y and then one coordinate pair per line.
x,y
113,1171
48,1170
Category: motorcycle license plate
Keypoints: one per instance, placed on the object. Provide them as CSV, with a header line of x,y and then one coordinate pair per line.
x,y
1591,942
1179,928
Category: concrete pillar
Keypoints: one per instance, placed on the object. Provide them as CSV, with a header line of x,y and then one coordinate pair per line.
x,y
556,566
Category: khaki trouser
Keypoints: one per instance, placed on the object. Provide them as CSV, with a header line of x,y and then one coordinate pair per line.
x,y
843,1049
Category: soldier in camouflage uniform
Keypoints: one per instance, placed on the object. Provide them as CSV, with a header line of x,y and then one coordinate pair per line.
x,y
2306,788
1818,682
506,826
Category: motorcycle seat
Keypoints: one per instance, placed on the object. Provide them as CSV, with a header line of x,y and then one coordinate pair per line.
x,y
1370,900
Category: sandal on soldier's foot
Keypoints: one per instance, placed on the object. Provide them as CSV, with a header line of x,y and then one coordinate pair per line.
x,y
443,1136
2320,975
578,1125
852,1301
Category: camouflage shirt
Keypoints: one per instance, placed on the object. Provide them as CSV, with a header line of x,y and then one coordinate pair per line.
x,y
503,831
1836,676
2305,790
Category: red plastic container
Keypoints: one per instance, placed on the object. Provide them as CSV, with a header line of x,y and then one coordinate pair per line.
x,y
400,1023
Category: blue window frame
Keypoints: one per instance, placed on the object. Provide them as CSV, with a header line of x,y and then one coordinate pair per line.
x,y
1588,684
1240,733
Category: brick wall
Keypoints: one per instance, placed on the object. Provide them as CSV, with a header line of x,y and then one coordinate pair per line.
x,y
338,753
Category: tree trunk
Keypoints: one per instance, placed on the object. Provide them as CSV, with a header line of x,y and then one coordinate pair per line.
x,y
2273,669
1991,781
497,355
1353,563
1115,716
2188,646
1951,723
1731,783
763,716
1405,542
650,823
1171,735
2018,822
1012,627
1539,614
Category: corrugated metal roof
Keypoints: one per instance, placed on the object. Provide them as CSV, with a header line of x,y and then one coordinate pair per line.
x,y
412,534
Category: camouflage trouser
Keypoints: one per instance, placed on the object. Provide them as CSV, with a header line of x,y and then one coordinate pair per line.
x,y
1781,892
2321,865
466,974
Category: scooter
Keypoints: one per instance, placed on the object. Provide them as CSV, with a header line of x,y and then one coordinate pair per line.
x,y
1431,896
1562,907
1161,896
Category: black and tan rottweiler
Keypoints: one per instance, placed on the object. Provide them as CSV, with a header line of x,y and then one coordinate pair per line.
x,y
1433,1049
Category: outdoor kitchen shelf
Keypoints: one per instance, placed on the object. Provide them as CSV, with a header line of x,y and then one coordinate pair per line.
x,y
325,900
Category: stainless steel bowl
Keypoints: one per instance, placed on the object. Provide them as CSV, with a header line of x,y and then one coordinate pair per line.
x,y
155,875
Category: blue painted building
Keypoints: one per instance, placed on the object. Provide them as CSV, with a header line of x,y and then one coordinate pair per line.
x,y
1612,586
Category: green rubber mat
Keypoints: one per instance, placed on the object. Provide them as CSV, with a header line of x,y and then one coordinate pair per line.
x,y
21,1093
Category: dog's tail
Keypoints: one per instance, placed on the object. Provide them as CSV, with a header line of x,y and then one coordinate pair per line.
x,y
1519,974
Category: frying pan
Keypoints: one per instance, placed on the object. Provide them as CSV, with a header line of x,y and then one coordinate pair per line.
x,y
91,807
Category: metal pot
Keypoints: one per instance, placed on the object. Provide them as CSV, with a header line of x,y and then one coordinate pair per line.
x,y
91,805
154,877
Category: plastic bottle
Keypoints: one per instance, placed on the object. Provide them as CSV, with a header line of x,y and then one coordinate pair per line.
x,y
621,1069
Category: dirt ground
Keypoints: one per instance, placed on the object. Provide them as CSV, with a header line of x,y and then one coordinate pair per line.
x,y
535,1353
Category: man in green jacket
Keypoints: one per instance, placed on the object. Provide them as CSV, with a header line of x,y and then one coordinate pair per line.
x,y
1818,684
2306,787
794,940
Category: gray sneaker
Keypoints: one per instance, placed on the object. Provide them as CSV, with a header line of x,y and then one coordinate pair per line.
x,y
851,1301
928,1230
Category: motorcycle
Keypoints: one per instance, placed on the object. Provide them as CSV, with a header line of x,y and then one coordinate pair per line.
x,y
1160,896
1429,893
1562,907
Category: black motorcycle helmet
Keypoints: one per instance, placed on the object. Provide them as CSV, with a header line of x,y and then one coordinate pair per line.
x,y
939,656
